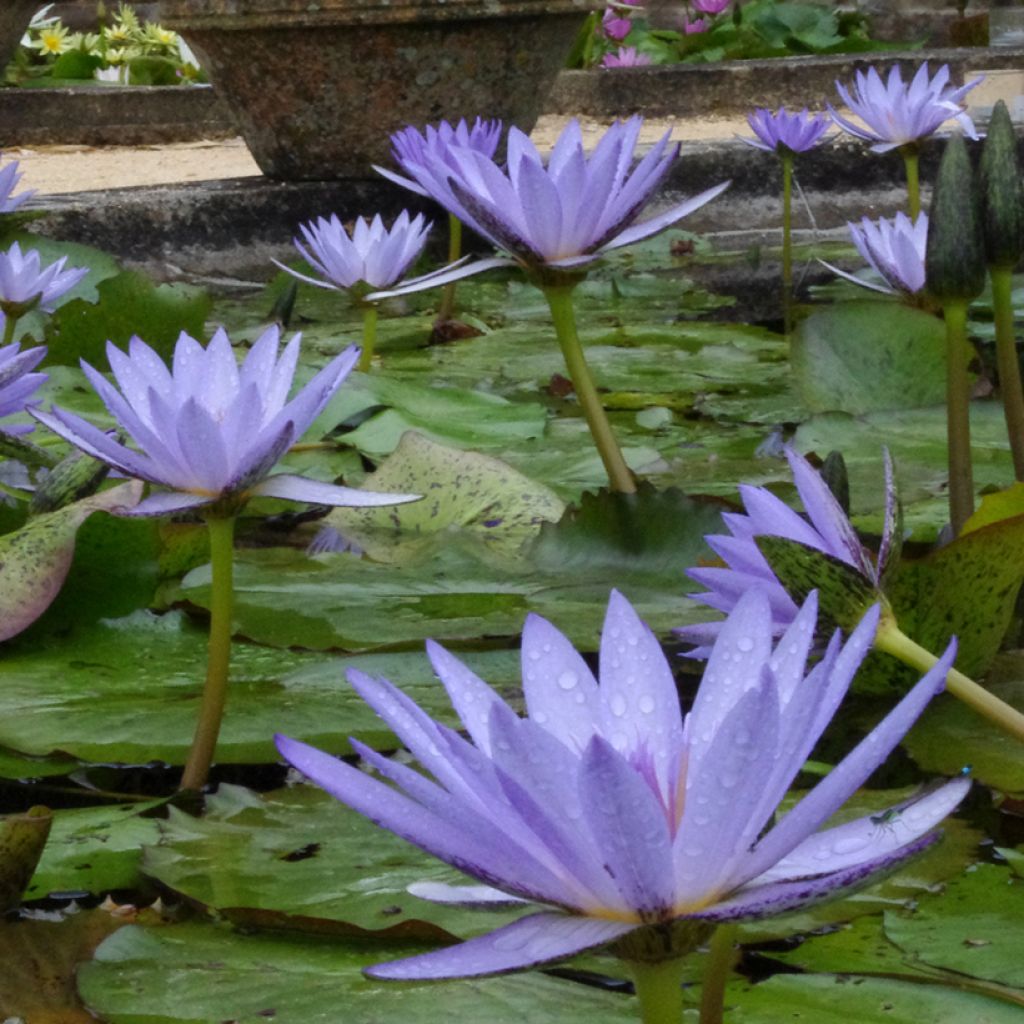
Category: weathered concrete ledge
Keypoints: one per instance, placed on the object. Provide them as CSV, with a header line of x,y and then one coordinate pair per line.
x,y
729,87
143,115
136,115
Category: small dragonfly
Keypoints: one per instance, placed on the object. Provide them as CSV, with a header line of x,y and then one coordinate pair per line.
x,y
888,819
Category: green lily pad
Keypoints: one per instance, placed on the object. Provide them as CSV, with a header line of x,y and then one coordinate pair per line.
x,y
860,357
22,838
298,859
462,491
95,849
127,691
205,974
976,928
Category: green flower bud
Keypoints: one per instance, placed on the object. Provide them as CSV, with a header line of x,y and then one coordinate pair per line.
x,y
1002,204
955,256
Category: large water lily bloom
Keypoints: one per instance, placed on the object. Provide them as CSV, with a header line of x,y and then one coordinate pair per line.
x,y
826,547
553,219
18,383
211,432
624,821
781,130
10,175
895,115
371,256
207,429
894,249
25,284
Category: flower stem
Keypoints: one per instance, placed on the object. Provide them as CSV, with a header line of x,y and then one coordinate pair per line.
x,y
447,307
369,336
787,242
10,323
560,300
659,987
1009,364
910,161
211,711
958,415
721,957
894,641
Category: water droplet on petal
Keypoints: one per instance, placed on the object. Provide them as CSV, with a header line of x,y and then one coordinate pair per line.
x,y
646,704
745,644
567,680
618,705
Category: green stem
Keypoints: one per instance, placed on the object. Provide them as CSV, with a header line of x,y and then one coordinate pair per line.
x,y
910,161
211,710
369,336
447,308
893,640
958,415
659,987
10,323
560,300
1009,364
787,242
721,957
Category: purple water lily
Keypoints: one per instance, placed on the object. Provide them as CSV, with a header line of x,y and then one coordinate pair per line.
x,y
410,148
616,23
25,283
370,256
895,114
207,429
10,175
558,215
827,529
17,383
710,6
796,133
626,57
613,812
895,249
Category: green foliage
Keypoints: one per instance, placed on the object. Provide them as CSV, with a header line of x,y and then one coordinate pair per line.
x,y
1002,201
22,838
866,356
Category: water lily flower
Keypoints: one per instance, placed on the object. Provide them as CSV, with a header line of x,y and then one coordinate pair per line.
x,y
695,27
895,249
554,219
781,130
710,6
17,383
619,819
25,283
627,57
369,257
209,430
615,26
895,113
897,116
10,175
823,547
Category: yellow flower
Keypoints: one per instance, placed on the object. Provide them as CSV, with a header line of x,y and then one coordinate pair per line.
x,y
52,40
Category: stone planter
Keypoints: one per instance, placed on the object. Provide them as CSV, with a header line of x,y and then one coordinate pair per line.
x,y
14,18
317,88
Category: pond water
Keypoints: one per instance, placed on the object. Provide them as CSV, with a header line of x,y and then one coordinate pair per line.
x,y
272,900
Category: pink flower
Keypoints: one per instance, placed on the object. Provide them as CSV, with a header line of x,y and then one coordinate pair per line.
x,y
627,57
692,28
710,6
615,26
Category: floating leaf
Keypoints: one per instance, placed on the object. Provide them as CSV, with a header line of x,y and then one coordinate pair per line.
x,y
22,838
860,357
297,859
35,559
461,490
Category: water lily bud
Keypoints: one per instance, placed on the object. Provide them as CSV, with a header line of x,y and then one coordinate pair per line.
x,y
1002,207
75,477
955,255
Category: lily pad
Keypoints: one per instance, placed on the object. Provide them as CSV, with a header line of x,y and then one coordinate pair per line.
x,y
35,560
297,859
22,838
205,974
462,491
860,357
